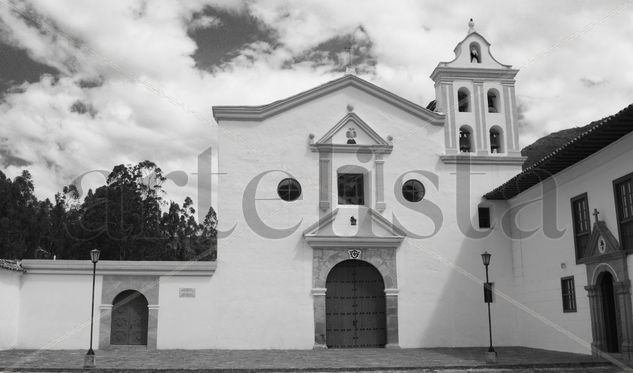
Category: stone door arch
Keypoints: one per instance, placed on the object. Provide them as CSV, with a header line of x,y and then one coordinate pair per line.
x,y
609,293
382,259
113,286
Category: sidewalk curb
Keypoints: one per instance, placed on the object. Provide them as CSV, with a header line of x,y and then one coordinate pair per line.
x,y
316,369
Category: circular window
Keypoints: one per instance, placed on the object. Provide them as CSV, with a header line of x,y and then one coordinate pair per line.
x,y
413,191
289,189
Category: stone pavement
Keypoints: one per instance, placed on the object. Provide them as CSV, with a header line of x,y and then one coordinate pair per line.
x,y
519,359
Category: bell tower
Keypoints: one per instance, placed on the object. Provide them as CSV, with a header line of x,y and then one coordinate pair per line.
x,y
476,92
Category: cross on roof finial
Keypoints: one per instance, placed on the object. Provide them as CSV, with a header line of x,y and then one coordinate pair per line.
x,y
595,214
471,26
350,69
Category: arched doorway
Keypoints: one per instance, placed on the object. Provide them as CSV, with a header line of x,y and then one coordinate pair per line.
x,y
355,306
605,282
129,319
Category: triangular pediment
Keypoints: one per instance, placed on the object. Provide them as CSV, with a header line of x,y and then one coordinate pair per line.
x,y
223,114
601,242
367,229
352,133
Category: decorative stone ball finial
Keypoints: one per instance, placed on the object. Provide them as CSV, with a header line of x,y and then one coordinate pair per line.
x,y
471,26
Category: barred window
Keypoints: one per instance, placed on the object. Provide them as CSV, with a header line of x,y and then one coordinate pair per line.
x,y
569,294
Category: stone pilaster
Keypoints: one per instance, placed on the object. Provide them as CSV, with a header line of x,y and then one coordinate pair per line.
x,y
105,318
623,299
325,172
380,183
152,326
391,298
319,317
480,121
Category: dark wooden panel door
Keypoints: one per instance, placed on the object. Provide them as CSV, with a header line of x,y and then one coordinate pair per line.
x,y
129,319
355,306
609,313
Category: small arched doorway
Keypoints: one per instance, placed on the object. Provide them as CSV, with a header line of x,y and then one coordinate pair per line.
x,y
355,306
605,282
129,319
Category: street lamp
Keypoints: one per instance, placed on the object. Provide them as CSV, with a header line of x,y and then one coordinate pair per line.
x,y
491,356
89,359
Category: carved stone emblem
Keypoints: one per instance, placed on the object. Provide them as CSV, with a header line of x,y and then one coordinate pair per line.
x,y
602,246
351,133
354,253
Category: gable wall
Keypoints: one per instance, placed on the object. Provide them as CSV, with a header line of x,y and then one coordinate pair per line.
x,y
438,277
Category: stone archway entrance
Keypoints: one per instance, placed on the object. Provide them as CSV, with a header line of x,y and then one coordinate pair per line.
x,y
609,295
355,306
129,319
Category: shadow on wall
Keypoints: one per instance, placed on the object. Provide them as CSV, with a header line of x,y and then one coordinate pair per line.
x,y
452,282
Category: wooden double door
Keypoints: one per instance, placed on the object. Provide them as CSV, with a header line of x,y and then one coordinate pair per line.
x,y
355,306
129,319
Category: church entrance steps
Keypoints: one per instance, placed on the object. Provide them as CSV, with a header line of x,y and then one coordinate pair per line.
x,y
519,359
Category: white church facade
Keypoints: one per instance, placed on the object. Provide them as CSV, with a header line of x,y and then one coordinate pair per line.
x,y
357,218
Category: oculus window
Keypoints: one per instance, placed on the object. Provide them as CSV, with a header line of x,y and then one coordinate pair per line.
x,y
289,189
350,189
413,191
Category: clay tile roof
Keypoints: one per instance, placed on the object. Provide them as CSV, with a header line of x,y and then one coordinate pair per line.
x,y
11,265
597,137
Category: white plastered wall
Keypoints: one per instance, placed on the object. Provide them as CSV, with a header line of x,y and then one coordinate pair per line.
x,y
9,308
540,260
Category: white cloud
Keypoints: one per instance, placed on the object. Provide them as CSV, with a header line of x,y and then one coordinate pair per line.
x,y
204,22
155,104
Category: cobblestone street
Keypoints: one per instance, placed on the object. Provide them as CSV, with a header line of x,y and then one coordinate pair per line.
x,y
516,359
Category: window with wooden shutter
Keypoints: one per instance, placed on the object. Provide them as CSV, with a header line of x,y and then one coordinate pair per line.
x,y
581,222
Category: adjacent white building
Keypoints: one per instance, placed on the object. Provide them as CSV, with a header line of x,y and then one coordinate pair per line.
x,y
358,219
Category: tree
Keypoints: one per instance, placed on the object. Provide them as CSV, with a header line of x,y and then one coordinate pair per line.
x,y
122,218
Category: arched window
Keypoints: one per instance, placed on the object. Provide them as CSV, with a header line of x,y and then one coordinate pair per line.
x,y
475,52
463,100
496,140
493,101
465,144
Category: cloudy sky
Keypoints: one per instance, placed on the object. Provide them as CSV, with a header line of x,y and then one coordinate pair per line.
x,y
88,84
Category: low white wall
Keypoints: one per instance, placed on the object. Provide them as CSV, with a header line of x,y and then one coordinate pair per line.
x,y
55,311
55,297
9,308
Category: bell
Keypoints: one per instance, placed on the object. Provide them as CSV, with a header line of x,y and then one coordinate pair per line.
x,y
495,144
464,143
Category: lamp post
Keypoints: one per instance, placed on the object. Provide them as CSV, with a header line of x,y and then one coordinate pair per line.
x,y
89,359
491,356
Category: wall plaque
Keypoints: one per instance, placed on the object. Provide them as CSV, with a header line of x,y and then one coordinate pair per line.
x,y
187,293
